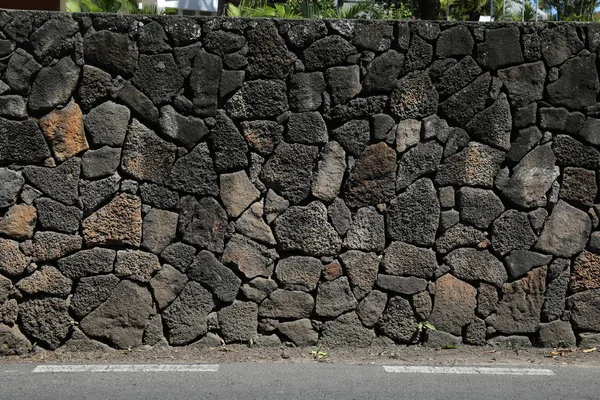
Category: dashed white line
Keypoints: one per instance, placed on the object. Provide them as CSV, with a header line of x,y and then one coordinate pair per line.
x,y
127,368
469,370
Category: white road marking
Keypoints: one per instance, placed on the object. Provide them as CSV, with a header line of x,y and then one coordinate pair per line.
x,y
128,368
469,370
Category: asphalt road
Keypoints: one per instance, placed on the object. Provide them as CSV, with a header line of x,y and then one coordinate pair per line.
x,y
292,381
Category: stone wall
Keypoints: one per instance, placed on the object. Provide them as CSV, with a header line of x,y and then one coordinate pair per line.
x,y
193,181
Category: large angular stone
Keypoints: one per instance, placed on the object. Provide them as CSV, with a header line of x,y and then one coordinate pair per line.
x,y
418,56
306,90
268,56
532,178
55,216
367,231
221,280
94,86
300,332
579,186
12,183
459,75
525,83
100,163
502,47
250,258
136,265
54,85
586,272
353,136
371,307
346,331
566,231
327,52
307,128
526,140
139,103
258,99
287,304
186,131
476,165
520,262
13,106
414,96
398,321
479,207
107,124
48,280
63,129
90,292
340,216
87,262
262,136
179,255
305,229
228,145
19,71
194,173
459,235
556,334
577,85
455,41
238,322
259,289
402,258
159,229
117,223
185,318
152,38
572,153
343,83
520,307
421,160
585,310
464,104
111,51
299,273
203,223
476,265
383,74
46,320
59,183
512,231
237,192
493,125
47,246
289,170
372,180
331,168
359,107
454,305
334,298
182,31
19,222
564,40
222,42
204,81
145,156
414,215
12,341
361,268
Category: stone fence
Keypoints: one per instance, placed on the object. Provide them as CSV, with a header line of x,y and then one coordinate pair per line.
x,y
193,181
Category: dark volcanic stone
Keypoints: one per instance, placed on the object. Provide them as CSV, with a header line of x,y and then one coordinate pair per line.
x,y
223,42
577,86
90,292
558,43
289,170
94,193
479,207
579,186
229,146
186,131
22,142
307,128
258,99
59,183
398,321
421,160
463,105
299,273
305,229
367,231
404,259
454,305
353,136
204,82
100,163
238,322
361,268
53,215
155,77
94,86
373,179
139,103
287,304
493,125
111,51
520,262
268,56
585,310
343,83
525,83
413,216
502,47
453,42
20,70
346,330
152,38
262,136
512,231
221,280
327,52
334,298
179,255
202,223
306,90
476,165
414,97
45,320
476,265
54,85
571,153
419,54
459,235
158,196
182,30
566,231
194,173
87,262
457,76
526,140
401,284
384,72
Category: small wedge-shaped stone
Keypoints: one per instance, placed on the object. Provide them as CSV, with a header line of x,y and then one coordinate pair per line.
x,y
221,280
331,167
252,225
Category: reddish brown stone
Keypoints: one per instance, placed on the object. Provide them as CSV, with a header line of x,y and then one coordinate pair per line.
x,y
48,280
373,180
12,261
586,272
63,129
117,223
332,271
579,185
19,221
454,305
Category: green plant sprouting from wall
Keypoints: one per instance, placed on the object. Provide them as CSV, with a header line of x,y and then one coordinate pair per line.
x,y
114,6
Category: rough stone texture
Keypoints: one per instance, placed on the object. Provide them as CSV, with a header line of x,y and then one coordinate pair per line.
x,y
46,320
476,165
221,280
367,231
250,258
12,341
258,99
59,183
12,183
55,216
454,304
287,304
90,292
136,265
520,262
54,85
413,216
202,223
237,192
371,307
405,259
47,246
107,124
565,232
556,334
361,268
331,167
479,207
119,222
19,222
577,74
579,186
459,235
476,265
159,229
521,304
121,53
586,272
334,298
414,96
48,280
500,48
493,125
87,262
238,322
340,216
300,332
512,231
422,159
63,129
401,284
584,309
347,331
398,321
299,273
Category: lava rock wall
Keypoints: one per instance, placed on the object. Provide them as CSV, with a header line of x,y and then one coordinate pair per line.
x,y
198,181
